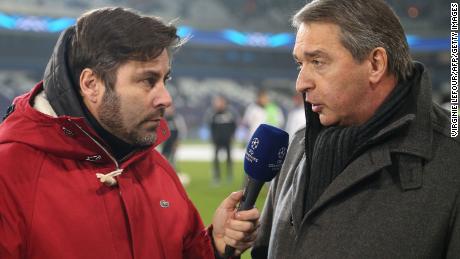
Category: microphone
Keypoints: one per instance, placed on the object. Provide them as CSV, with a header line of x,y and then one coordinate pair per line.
x,y
263,159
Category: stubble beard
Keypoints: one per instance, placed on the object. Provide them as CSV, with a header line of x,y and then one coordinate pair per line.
x,y
110,116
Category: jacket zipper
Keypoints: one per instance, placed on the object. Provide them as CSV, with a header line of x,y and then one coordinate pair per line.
x,y
97,143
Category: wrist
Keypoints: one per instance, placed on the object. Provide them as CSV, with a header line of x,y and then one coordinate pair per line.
x,y
212,235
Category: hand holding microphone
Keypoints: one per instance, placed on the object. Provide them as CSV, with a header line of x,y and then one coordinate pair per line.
x,y
263,159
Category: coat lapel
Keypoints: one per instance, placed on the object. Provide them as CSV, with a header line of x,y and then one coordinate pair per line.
x,y
361,168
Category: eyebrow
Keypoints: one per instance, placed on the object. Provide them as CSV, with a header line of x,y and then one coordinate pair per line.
x,y
312,54
150,73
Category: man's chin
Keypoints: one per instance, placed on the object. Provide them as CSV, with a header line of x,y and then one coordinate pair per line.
x,y
327,121
146,140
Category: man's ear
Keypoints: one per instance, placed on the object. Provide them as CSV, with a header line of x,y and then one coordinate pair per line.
x,y
90,86
379,65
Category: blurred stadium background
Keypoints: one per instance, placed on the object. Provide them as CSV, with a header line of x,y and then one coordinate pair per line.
x,y
236,47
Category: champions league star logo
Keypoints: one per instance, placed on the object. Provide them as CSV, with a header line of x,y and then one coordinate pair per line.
x,y
254,143
282,153
250,151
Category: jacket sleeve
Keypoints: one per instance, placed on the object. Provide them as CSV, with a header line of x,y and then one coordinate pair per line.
x,y
260,248
17,186
453,246
11,237
197,244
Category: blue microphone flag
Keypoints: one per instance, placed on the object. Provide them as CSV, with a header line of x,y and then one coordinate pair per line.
x,y
265,152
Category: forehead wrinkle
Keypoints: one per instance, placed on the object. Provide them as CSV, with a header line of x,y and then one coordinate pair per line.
x,y
312,54
150,71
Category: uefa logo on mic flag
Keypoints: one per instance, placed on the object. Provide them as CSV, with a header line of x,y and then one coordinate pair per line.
x,y
282,152
281,155
254,143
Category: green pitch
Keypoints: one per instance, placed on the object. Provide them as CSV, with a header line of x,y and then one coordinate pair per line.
x,y
207,196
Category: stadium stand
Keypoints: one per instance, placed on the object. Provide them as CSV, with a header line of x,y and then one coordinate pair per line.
x,y
202,70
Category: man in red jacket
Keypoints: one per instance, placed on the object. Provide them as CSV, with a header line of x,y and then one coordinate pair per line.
x,y
80,176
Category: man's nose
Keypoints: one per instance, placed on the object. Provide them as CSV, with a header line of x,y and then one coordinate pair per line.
x,y
304,81
163,98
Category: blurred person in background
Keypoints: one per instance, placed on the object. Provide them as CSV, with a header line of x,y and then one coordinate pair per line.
x,y
4,104
296,117
222,121
375,174
177,132
262,111
80,176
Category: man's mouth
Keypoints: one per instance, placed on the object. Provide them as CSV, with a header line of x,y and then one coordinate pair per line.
x,y
156,117
316,107
155,120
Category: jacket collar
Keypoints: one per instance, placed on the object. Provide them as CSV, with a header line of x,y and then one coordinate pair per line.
x,y
419,137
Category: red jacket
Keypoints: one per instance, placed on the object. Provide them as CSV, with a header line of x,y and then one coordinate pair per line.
x,y
53,206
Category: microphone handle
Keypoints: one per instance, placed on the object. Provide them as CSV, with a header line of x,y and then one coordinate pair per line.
x,y
250,193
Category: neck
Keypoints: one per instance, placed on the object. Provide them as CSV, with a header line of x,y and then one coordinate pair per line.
x,y
378,94
118,147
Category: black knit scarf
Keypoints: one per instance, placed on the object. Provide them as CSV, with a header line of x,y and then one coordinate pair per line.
x,y
330,149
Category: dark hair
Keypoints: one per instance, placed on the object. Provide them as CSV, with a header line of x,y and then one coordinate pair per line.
x,y
365,25
106,38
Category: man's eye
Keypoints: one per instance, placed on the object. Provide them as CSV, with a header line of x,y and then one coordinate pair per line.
x,y
167,78
316,62
150,81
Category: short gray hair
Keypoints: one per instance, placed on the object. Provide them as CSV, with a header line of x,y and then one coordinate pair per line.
x,y
365,25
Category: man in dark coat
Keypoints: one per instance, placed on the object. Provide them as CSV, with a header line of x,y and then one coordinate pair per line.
x,y
222,124
375,173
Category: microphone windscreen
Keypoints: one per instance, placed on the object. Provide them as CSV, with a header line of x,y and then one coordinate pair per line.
x,y
265,153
